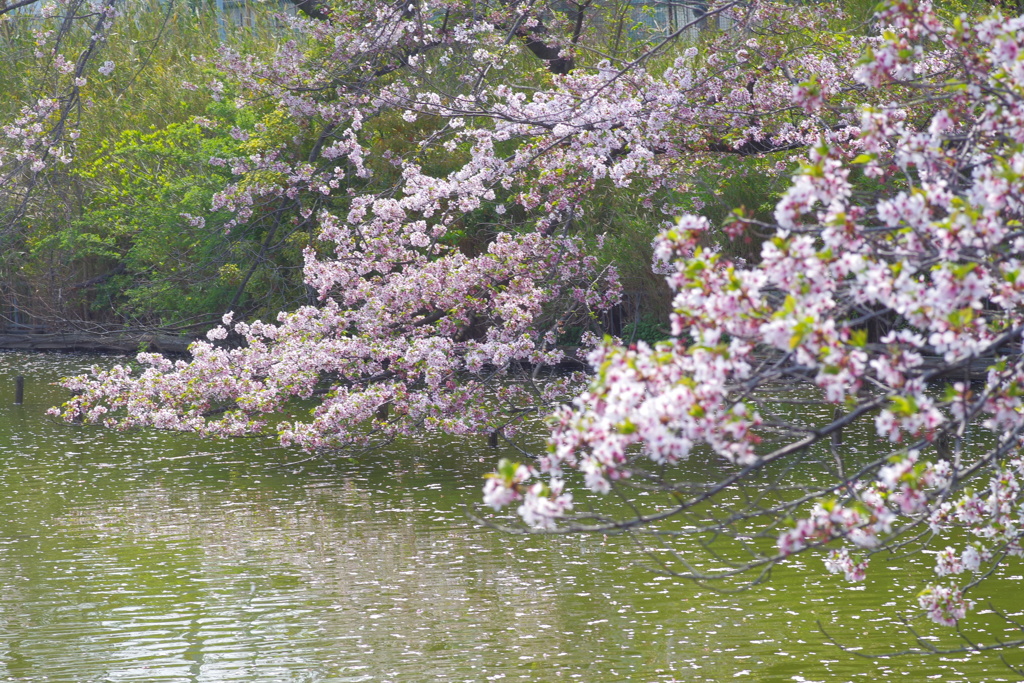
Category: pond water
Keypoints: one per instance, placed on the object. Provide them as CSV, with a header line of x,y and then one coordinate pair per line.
x,y
145,556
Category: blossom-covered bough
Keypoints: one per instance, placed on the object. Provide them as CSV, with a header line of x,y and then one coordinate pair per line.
x,y
891,272
860,386
412,314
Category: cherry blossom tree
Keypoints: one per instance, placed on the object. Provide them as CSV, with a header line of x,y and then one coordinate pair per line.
x,y
860,384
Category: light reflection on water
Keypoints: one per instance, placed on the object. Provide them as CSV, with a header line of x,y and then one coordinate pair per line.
x,y
151,557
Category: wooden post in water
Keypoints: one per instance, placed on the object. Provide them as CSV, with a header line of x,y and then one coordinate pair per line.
x,y
19,390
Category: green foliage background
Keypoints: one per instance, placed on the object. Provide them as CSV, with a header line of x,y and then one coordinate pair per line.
x,y
125,235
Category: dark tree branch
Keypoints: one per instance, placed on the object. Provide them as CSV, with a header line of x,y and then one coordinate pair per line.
x,y
18,5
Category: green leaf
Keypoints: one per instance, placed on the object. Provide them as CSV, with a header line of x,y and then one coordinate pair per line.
x,y
507,469
904,405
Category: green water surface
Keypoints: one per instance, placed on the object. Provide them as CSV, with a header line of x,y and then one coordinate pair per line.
x,y
145,556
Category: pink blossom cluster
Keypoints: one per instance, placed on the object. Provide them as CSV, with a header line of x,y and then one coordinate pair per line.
x,y
542,505
412,350
948,561
839,561
864,524
943,605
